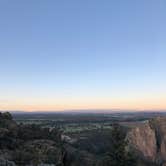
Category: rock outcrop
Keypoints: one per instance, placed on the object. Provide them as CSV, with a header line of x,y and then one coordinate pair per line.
x,y
149,140
143,139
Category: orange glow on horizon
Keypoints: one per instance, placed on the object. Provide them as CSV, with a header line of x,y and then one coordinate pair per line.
x,y
153,103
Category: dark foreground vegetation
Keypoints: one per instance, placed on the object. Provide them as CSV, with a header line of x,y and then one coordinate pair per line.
x,y
30,144
110,143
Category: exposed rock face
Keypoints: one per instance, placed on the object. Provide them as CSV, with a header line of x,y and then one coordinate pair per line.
x,y
143,139
159,125
149,140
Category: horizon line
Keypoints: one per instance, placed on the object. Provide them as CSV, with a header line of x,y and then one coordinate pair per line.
x,y
86,111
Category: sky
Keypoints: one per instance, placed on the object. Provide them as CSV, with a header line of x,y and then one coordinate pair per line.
x,y
90,54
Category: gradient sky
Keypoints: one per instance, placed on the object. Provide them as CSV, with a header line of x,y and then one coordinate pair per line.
x,y
82,54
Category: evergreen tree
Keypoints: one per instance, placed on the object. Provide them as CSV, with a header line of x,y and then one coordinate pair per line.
x,y
118,156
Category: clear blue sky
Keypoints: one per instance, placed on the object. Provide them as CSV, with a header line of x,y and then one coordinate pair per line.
x,y
74,54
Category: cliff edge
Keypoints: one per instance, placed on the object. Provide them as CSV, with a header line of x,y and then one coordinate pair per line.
x,y
149,140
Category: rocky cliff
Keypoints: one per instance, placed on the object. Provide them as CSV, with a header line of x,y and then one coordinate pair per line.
x,y
149,141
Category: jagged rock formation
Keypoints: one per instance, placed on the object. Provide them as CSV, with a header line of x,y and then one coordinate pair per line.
x,y
149,141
